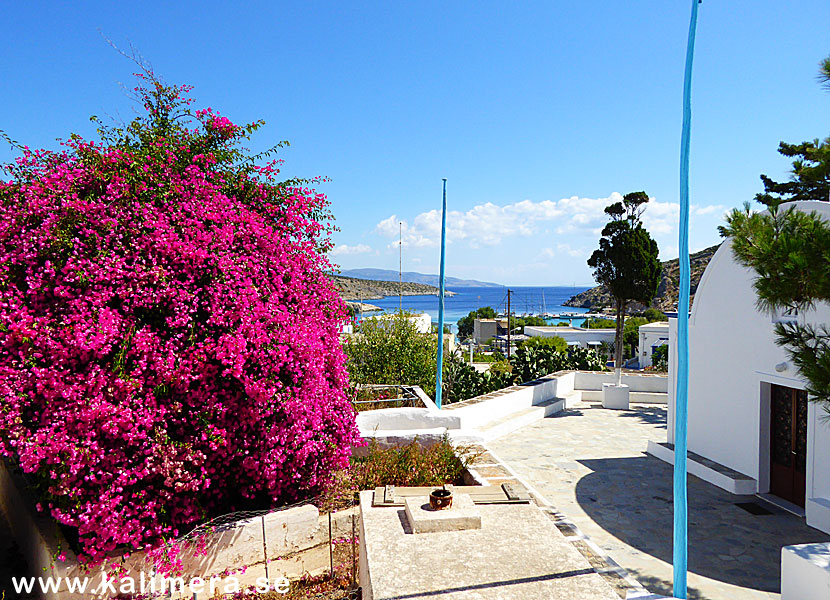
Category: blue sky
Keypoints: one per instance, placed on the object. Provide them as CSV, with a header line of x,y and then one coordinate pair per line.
x,y
537,114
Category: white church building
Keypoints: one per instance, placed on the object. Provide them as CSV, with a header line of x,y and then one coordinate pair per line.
x,y
748,411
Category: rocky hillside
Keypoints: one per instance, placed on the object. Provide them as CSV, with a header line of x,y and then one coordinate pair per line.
x,y
366,289
666,299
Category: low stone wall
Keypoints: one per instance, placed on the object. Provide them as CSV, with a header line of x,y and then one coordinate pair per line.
x,y
637,382
282,543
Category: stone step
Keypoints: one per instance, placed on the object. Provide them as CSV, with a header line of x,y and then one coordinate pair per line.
x,y
572,398
506,424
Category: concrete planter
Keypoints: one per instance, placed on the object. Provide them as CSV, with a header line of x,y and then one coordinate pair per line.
x,y
805,572
615,396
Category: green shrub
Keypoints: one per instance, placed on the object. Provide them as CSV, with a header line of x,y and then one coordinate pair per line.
x,y
584,359
411,465
631,334
532,362
600,323
557,343
488,358
501,368
461,381
653,315
660,358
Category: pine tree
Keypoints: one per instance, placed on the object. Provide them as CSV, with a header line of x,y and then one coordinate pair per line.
x,y
626,262
789,250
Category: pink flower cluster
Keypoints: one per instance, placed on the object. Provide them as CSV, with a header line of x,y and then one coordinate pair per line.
x,y
168,339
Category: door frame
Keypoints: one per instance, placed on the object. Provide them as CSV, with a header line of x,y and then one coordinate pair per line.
x,y
765,426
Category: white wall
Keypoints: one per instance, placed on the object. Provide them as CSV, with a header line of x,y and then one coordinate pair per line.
x,y
818,469
732,359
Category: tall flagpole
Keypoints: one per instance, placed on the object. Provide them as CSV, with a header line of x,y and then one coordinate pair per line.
x,y
440,364
681,412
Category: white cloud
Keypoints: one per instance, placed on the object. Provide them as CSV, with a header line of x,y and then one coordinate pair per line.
x,y
573,252
489,224
346,249
563,250
705,210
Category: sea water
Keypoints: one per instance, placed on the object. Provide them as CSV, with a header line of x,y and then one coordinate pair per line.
x,y
523,300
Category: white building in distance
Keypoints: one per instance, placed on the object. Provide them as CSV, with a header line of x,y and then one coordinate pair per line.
x,y
748,408
574,336
422,321
652,336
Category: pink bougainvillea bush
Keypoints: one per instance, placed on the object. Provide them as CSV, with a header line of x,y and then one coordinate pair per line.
x,y
168,335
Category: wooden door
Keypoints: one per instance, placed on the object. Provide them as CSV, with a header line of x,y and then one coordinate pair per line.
x,y
788,444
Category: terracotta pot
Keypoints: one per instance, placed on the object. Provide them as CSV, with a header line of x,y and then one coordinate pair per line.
x,y
440,499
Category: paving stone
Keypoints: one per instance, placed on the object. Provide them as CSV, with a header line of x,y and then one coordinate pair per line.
x,y
621,499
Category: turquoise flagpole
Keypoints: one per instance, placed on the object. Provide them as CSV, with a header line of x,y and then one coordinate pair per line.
x,y
440,364
681,525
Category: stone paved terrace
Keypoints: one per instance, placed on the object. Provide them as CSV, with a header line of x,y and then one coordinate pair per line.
x,y
516,554
590,465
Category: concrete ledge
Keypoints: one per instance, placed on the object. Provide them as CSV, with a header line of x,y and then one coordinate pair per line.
x,y
805,572
716,474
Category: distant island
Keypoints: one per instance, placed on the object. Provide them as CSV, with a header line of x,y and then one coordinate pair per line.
x,y
667,294
352,288
413,277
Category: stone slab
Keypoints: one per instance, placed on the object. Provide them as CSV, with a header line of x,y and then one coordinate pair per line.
x,y
462,515
518,554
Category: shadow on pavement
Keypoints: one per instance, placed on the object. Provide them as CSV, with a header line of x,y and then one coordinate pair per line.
x,y
631,498
651,415
656,585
